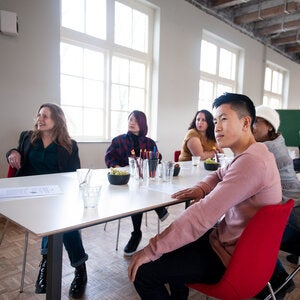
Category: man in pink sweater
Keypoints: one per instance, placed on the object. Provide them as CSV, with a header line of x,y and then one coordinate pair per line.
x,y
192,249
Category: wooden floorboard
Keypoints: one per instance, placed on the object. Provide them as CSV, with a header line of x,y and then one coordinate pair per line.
x,y
107,268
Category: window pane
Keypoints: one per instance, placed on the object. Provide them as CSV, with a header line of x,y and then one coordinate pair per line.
x,y
131,28
93,64
137,99
119,122
72,12
92,125
123,25
268,79
277,82
93,94
71,89
206,94
140,31
137,74
208,56
206,90
68,55
119,97
274,102
227,64
120,70
96,18
222,88
74,120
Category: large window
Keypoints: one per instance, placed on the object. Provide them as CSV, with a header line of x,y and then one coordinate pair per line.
x,y
218,69
106,62
274,87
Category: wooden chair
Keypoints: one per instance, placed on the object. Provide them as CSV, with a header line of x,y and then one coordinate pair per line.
x,y
11,172
253,260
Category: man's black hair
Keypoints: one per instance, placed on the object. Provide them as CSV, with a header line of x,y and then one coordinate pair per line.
x,y
242,104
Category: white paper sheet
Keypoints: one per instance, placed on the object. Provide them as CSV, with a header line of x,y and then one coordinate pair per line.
x,y
29,191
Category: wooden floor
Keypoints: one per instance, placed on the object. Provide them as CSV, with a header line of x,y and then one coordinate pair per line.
x,y
107,268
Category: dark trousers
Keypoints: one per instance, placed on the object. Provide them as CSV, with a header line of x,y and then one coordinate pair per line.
x,y
137,218
73,244
195,262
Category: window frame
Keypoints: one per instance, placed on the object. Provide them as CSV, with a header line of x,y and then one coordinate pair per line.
x,y
269,94
216,79
110,49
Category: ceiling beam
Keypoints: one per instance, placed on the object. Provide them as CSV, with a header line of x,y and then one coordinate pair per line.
x,y
267,13
284,40
226,3
288,26
293,49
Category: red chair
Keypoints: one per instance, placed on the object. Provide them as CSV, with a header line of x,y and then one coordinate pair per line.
x,y
176,155
254,258
11,172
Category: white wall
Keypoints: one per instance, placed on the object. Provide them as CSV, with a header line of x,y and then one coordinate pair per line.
x,y
29,71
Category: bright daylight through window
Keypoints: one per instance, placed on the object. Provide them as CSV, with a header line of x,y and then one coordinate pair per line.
x,y
274,86
218,70
106,59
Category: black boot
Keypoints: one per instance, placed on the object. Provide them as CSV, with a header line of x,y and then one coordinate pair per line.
x,y
41,282
79,282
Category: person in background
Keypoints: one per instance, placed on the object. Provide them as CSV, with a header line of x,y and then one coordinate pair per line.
x,y
200,139
192,249
48,149
266,131
117,156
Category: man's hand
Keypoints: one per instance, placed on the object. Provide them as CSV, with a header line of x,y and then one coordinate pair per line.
x,y
194,193
137,260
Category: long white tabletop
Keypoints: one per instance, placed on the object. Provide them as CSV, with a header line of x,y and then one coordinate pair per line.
x,y
52,215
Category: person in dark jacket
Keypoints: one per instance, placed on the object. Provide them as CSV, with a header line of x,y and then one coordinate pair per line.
x,y
48,149
117,156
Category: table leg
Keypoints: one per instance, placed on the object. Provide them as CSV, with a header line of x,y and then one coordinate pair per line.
x,y
54,268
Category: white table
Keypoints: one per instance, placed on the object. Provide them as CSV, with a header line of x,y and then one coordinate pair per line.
x,y
52,215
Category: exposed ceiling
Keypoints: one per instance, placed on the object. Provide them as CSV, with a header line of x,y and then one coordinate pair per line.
x,y
275,23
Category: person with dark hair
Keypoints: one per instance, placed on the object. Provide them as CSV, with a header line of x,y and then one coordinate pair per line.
x,y
48,149
198,245
200,139
266,131
117,156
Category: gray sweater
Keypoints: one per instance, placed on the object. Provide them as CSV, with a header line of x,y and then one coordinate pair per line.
x,y
289,181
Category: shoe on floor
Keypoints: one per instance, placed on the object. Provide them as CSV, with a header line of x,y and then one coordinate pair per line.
x,y
41,282
163,214
78,284
133,243
292,258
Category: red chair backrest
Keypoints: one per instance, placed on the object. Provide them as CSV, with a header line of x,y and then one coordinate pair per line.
x,y
176,155
11,172
253,260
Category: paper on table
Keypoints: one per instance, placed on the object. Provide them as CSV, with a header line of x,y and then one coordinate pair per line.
x,y
29,191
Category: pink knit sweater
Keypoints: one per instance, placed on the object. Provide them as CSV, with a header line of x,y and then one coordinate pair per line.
x,y
236,192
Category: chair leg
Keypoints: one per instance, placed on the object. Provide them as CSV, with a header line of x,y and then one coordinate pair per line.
x,y
24,262
105,226
282,285
272,295
4,231
146,219
118,234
